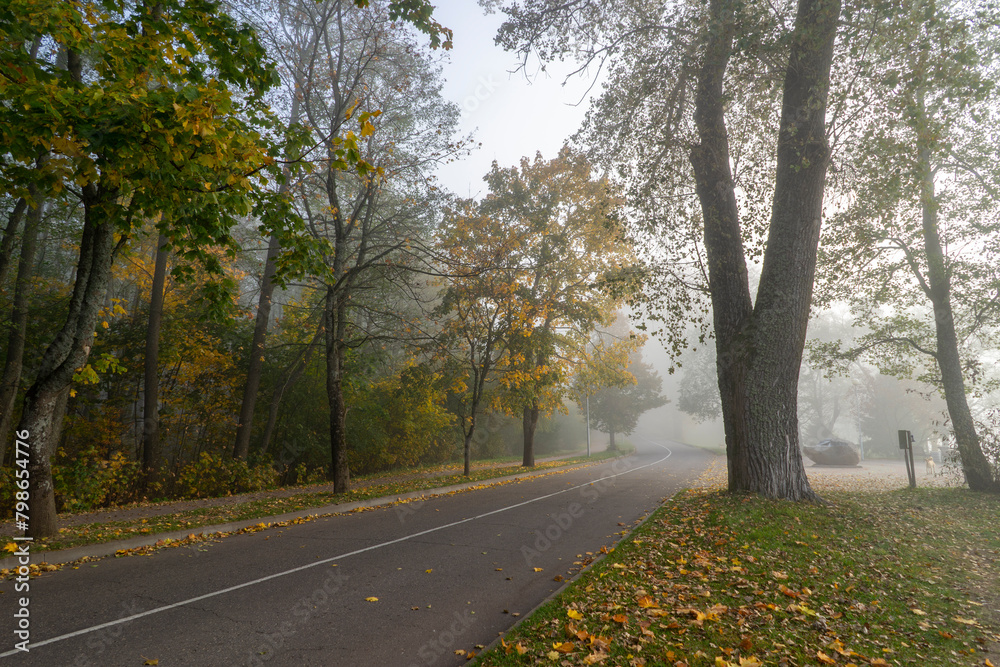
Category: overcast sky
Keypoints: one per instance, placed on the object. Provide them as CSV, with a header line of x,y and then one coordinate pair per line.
x,y
511,116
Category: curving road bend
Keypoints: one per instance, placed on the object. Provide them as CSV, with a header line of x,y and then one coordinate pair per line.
x,y
406,585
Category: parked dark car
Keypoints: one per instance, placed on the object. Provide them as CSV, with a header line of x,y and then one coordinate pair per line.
x,y
833,453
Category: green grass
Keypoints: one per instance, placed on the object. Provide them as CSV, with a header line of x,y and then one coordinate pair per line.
x,y
194,519
900,578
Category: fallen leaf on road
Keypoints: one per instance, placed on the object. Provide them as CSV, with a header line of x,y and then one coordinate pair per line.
x,y
371,599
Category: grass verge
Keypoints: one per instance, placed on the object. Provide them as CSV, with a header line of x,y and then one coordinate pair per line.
x,y
210,515
898,578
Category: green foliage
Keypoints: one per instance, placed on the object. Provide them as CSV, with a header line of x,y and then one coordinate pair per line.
x,y
617,409
399,421
305,474
215,475
88,481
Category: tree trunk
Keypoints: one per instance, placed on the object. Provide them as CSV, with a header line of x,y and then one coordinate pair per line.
x,y
759,346
287,380
151,376
467,449
67,352
10,381
10,231
335,321
977,469
255,368
612,446
529,422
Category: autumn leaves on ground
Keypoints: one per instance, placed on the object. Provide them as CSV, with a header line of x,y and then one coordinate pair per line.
x,y
901,577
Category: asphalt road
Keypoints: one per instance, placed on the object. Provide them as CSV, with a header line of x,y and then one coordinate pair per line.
x,y
448,573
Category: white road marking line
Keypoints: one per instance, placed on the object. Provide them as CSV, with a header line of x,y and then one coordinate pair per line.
x,y
261,580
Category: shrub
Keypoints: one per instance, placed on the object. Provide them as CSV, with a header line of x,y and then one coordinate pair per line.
x,y
89,481
399,421
213,475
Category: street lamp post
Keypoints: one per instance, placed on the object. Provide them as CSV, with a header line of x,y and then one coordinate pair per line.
x,y
857,405
588,423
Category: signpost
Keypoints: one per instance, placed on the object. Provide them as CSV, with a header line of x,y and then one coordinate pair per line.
x,y
906,444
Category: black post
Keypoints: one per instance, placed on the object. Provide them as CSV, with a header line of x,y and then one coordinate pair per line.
x,y
906,444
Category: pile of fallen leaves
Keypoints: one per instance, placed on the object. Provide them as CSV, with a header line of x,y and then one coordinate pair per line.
x,y
875,579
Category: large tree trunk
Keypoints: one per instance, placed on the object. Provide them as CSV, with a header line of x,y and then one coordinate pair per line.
x,y
335,321
612,445
151,363
759,346
978,472
67,352
529,422
10,380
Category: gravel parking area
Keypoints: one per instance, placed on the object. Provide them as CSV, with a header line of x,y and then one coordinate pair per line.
x,y
871,475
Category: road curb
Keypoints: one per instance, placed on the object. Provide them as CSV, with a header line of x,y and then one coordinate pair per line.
x,y
110,548
569,582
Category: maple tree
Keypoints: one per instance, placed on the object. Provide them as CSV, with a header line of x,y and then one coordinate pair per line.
x,y
480,312
572,240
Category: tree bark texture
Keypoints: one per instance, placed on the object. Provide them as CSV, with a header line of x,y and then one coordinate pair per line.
x,y
67,352
151,363
10,380
9,234
529,422
335,322
759,345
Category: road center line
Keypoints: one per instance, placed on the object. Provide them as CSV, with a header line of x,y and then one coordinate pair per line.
x,y
300,568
